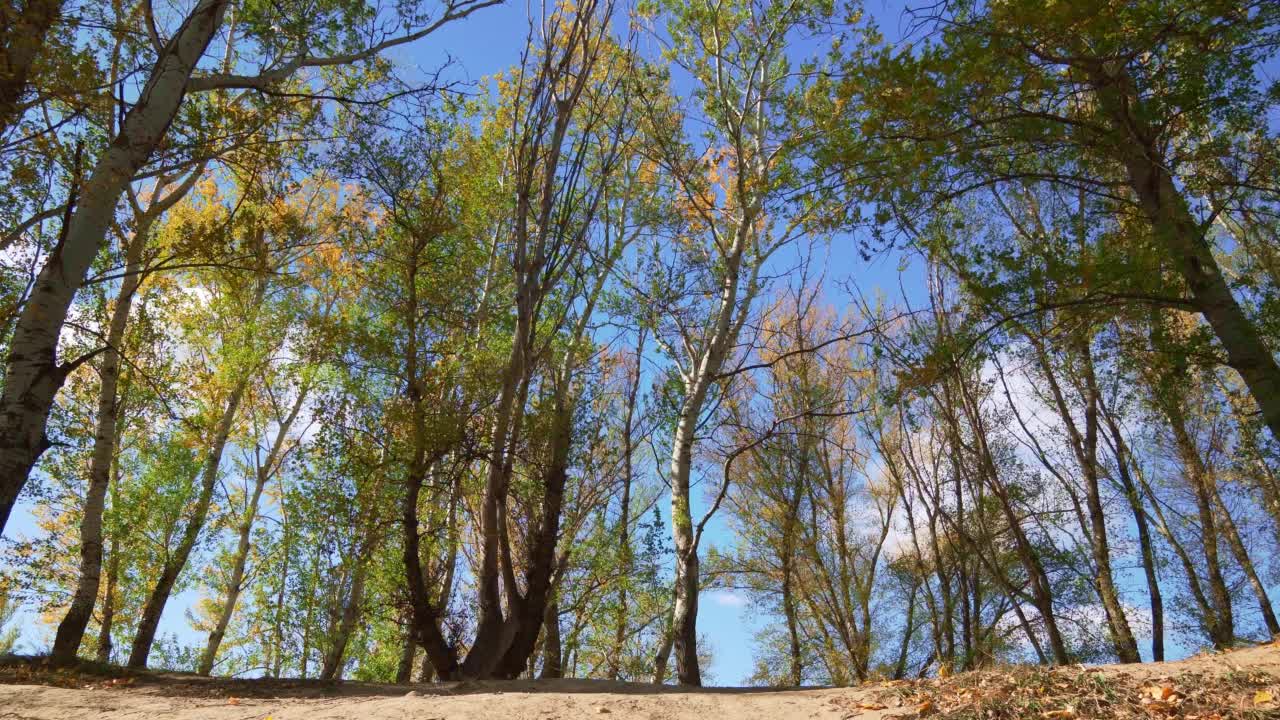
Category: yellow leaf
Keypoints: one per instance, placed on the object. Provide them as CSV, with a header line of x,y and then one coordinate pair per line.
x,y
1262,697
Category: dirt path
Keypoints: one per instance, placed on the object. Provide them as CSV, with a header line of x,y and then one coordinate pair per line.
x,y
1233,685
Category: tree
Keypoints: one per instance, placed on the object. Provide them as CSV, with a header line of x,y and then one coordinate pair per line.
x,y
734,205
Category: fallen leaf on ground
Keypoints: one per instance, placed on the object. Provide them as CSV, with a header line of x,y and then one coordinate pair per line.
x,y
1262,697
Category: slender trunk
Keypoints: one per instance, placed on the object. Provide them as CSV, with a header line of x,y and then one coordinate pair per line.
x,y
1221,624
277,645
1086,452
1028,556
909,629
109,604
331,668
234,584
624,518
32,373
1131,494
1238,548
173,567
241,559
796,668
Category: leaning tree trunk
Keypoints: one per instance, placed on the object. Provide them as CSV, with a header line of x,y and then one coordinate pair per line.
x,y
1236,543
1221,623
332,666
32,373
1184,239
159,596
1085,448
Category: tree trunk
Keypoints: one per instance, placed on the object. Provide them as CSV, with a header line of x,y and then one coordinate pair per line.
x,y
277,640
71,630
1221,624
32,373
331,669
409,648
109,605
663,655
624,517
1041,589
1174,227
531,608
1121,634
1236,544
1131,494
552,653
234,585
173,567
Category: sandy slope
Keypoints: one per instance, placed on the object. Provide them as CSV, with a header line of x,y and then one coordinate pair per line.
x,y
35,694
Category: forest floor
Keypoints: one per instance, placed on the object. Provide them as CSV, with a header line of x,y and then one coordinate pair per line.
x,y
1240,684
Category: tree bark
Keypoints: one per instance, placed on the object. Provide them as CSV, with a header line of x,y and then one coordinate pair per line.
x,y
1220,624
1085,448
71,630
552,653
33,374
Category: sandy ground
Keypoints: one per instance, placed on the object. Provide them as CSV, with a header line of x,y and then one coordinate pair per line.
x,y
32,693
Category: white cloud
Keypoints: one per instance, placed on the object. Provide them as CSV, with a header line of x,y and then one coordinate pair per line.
x,y
726,598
